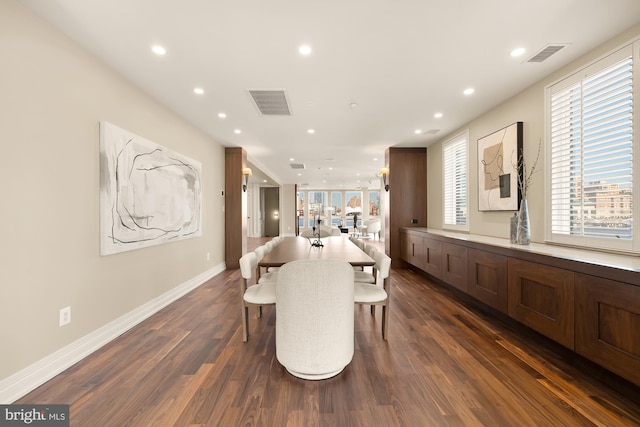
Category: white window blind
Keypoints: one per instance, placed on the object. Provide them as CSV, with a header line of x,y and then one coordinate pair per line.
x,y
591,169
454,154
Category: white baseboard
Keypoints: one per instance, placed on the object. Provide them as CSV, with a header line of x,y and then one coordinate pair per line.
x,y
33,376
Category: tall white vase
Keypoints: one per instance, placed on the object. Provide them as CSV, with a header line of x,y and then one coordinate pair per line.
x,y
523,236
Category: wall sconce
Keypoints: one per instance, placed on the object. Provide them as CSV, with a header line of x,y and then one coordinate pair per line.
x,y
246,173
385,173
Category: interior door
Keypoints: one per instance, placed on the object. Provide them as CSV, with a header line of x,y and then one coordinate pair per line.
x,y
271,216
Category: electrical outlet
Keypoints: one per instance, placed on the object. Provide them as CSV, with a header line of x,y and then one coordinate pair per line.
x,y
65,316
208,256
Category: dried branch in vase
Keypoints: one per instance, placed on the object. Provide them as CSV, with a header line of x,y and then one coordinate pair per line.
x,y
525,175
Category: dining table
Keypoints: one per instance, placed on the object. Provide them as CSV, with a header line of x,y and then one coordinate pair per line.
x,y
301,248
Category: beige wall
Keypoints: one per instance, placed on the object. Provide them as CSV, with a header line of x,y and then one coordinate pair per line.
x,y
288,210
527,107
53,95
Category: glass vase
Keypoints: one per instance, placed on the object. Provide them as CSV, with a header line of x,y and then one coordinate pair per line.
x,y
513,228
523,236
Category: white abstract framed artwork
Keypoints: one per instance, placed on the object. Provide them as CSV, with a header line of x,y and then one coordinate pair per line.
x,y
149,195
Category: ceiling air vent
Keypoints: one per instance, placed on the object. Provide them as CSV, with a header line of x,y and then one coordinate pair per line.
x,y
546,52
297,166
271,102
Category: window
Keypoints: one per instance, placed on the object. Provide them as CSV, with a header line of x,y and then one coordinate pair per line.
x,y
336,208
317,204
300,207
590,132
353,207
454,161
374,203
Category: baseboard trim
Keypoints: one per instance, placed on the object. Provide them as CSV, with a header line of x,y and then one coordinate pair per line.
x,y
33,376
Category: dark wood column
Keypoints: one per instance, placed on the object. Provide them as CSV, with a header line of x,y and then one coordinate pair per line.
x,y
235,207
407,196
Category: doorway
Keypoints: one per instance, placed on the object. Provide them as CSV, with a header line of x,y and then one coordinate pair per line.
x,y
270,210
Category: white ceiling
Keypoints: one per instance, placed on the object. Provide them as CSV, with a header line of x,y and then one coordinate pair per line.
x,y
400,61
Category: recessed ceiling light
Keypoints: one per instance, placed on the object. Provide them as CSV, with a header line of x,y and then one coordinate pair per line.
x,y
264,180
375,159
310,131
417,131
237,131
353,104
158,50
222,115
291,159
519,51
469,91
198,91
305,50
437,115
299,174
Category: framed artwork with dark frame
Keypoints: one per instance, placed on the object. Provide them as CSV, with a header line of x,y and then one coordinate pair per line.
x,y
498,155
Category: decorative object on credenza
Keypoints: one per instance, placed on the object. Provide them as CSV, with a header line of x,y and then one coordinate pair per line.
x,y
523,234
149,195
525,179
513,234
497,174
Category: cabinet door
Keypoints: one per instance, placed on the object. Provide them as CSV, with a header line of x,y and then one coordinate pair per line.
x,y
433,257
608,324
454,266
488,278
541,297
412,249
404,251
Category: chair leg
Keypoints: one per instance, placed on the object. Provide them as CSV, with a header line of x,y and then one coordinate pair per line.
x,y
245,323
385,321
259,312
373,310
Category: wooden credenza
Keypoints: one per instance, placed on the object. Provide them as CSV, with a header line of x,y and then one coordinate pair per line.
x,y
586,301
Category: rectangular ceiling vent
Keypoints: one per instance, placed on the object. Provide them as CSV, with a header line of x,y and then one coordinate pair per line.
x,y
271,102
546,52
297,166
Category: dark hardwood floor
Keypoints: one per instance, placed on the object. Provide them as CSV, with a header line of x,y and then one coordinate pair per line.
x,y
446,363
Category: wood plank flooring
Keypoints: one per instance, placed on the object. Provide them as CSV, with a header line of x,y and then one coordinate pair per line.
x,y
446,363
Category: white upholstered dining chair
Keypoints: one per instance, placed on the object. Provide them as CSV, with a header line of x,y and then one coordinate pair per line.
x,y
269,274
362,275
259,294
373,293
314,318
